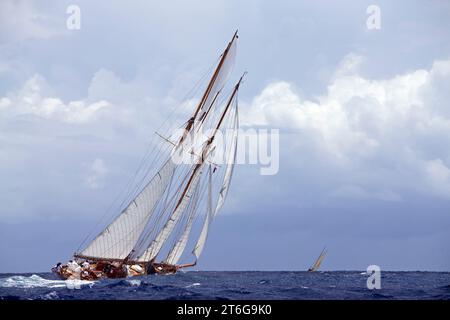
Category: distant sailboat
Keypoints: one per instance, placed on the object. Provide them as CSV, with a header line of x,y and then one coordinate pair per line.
x,y
159,217
318,262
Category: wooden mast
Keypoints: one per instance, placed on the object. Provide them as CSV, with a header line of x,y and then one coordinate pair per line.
x,y
210,140
208,89
202,159
204,154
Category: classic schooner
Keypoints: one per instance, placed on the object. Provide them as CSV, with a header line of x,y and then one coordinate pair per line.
x,y
157,224
318,261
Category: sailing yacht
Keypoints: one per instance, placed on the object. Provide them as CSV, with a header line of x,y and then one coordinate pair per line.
x,y
318,261
151,232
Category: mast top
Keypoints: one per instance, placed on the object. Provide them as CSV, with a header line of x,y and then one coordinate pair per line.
x,y
235,35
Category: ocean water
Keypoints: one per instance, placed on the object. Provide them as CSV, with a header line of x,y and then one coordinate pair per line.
x,y
231,285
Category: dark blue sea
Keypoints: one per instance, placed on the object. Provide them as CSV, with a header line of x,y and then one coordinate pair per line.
x,y
231,285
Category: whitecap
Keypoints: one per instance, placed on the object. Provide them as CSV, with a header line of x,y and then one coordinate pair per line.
x,y
193,285
134,283
35,281
51,296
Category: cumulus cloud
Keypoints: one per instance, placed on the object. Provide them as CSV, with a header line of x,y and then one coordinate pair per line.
x,y
362,139
47,143
381,137
35,99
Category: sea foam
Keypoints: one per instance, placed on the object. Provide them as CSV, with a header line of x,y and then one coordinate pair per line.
x,y
35,281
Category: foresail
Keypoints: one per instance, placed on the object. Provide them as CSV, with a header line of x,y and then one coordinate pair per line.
x,y
118,239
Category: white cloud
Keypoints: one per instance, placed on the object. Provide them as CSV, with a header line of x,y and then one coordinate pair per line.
x,y
44,139
35,99
362,139
388,136
21,20
97,172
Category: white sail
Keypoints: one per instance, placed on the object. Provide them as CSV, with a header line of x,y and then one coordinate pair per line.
x,y
156,245
118,239
178,249
222,194
319,260
222,75
204,233
230,168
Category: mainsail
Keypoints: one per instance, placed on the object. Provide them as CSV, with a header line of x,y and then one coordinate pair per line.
x,y
172,198
118,239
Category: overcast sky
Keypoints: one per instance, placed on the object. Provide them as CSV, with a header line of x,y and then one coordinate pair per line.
x,y
364,118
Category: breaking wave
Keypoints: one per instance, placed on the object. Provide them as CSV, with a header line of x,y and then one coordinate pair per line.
x,y
35,281
229,285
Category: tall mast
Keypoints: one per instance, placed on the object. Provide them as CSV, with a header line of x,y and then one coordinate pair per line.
x,y
208,88
168,227
219,123
210,141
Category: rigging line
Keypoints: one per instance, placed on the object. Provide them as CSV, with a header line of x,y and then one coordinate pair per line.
x,y
148,152
130,190
140,186
113,203
220,120
150,165
192,91
144,176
